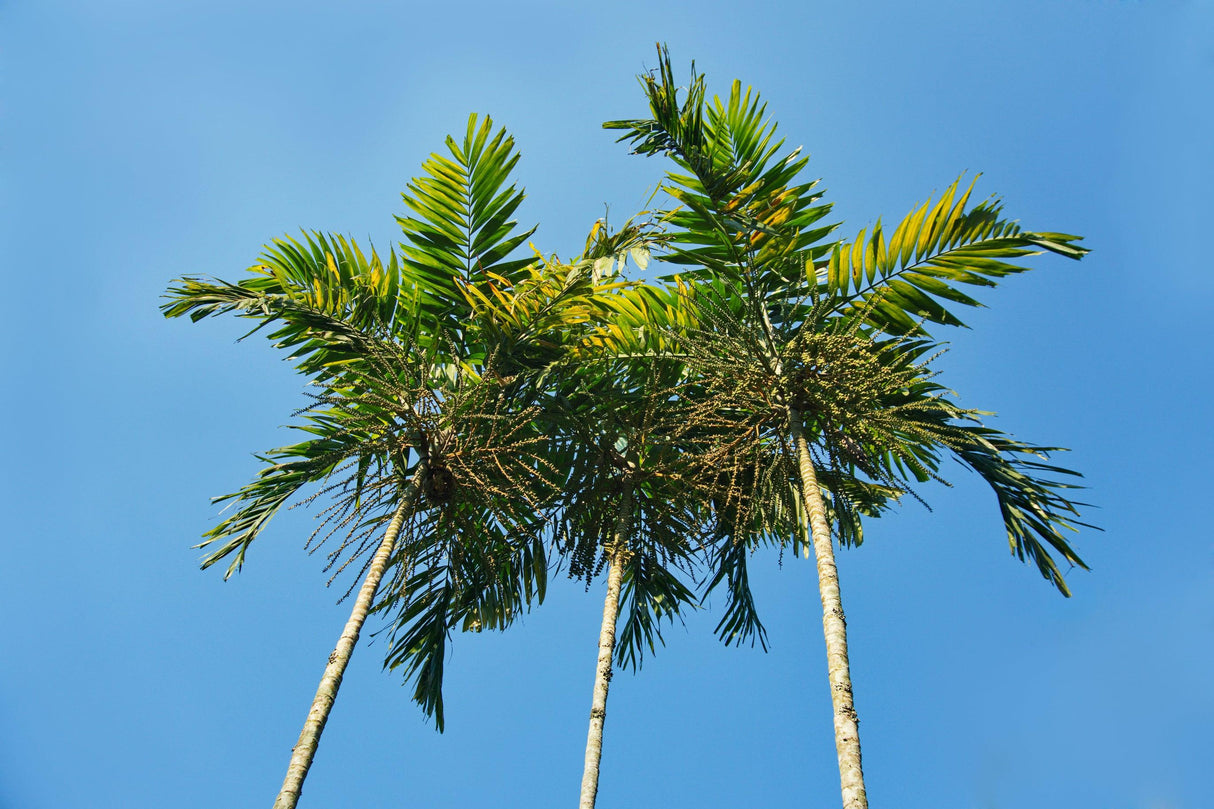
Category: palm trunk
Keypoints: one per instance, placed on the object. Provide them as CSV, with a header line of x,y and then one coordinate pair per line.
x,y
305,749
602,674
834,627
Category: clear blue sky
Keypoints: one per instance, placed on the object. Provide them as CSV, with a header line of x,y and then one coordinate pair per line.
x,y
140,141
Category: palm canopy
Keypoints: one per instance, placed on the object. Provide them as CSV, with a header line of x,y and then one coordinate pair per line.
x,y
425,363
780,308
612,425
625,498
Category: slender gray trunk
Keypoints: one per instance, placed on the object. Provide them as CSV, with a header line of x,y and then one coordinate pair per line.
x,y
305,749
834,627
602,674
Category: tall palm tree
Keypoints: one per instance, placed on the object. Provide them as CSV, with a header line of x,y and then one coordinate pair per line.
x,y
625,507
424,425
811,399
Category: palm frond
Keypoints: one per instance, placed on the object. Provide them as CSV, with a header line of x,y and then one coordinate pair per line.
x,y
1035,508
741,205
650,594
289,470
740,621
459,226
898,282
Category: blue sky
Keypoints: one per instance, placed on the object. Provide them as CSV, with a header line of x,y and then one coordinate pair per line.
x,y
141,141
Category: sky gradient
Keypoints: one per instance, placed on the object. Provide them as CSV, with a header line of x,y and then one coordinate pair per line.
x,y
142,141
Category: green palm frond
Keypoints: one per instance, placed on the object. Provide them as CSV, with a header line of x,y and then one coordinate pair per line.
x,y
423,621
884,424
740,622
1034,508
898,282
459,226
528,324
327,273
289,470
677,128
651,593
741,205
481,581
637,322
324,296
358,448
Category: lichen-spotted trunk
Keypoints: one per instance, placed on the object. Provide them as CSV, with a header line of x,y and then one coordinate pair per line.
x,y
305,749
602,674
834,627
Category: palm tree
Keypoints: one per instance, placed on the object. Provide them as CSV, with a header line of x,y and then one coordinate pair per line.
x,y
622,512
424,426
625,505
810,355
